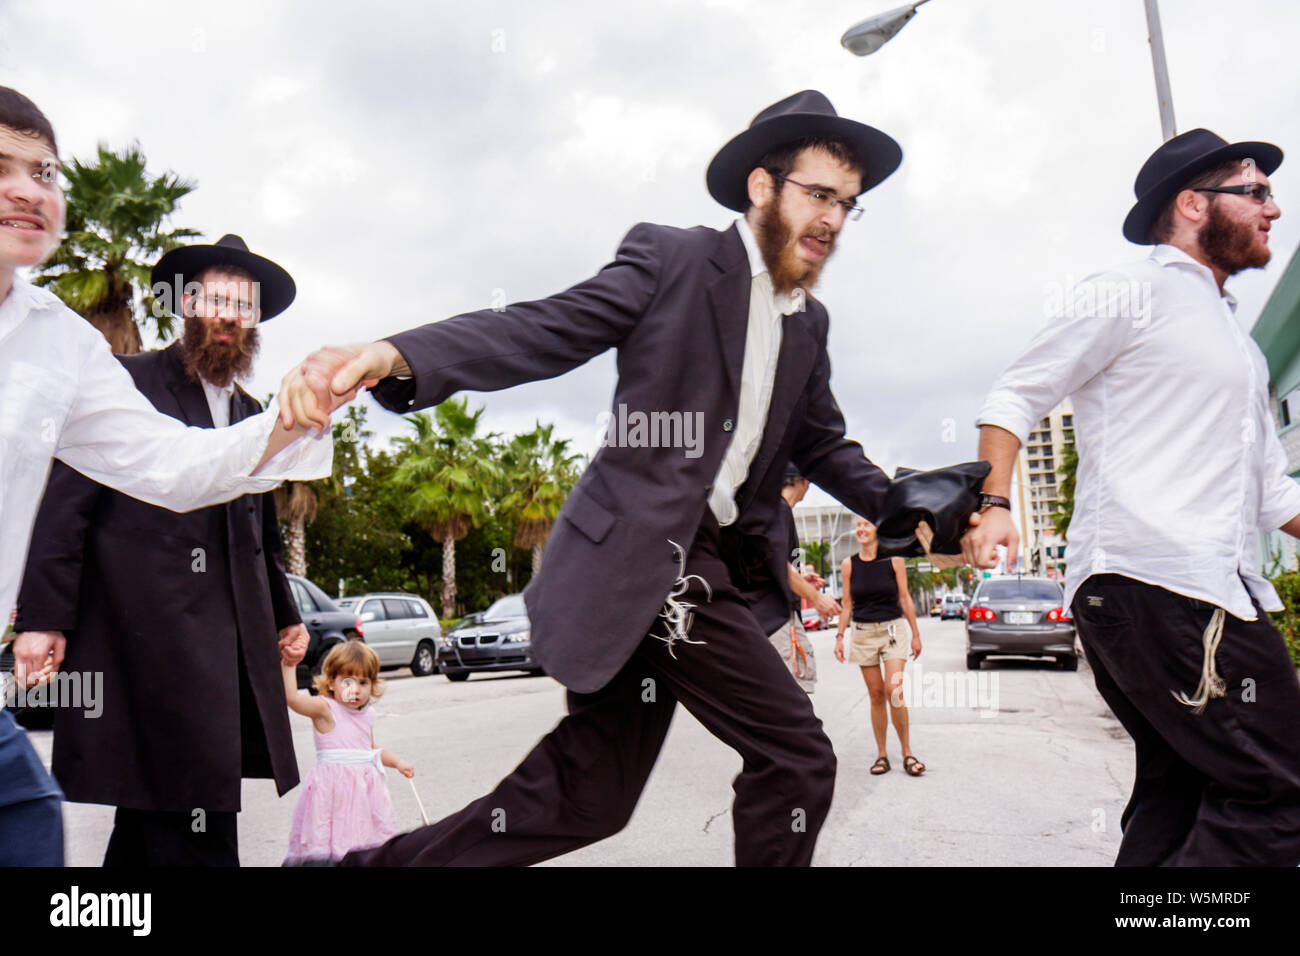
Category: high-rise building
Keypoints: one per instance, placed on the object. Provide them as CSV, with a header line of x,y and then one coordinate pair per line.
x,y
1040,490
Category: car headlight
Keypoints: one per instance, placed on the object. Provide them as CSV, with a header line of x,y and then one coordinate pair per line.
x,y
446,640
518,637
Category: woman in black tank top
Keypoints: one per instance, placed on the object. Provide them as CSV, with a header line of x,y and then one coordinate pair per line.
x,y
878,603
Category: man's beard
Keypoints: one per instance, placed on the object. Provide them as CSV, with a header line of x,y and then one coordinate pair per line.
x,y
208,359
773,234
1229,244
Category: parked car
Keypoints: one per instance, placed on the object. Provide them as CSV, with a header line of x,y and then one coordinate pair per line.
x,y
1020,616
498,639
936,608
951,607
402,629
812,621
327,623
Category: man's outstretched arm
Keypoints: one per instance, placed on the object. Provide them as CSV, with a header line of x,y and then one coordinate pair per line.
x,y
486,350
979,546
114,435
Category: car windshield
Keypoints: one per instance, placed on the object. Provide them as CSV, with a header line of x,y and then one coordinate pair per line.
x,y
1021,590
345,602
506,608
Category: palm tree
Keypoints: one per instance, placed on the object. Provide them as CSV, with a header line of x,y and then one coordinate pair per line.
x,y
447,472
116,212
295,503
539,474
1065,504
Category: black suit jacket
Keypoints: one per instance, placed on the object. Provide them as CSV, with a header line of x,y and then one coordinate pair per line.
x,y
675,304
164,605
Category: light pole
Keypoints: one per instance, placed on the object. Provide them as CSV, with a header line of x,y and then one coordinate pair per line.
x,y
1165,98
871,34
865,38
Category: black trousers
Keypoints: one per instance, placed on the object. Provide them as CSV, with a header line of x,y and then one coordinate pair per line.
x,y
152,838
1219,788
581,783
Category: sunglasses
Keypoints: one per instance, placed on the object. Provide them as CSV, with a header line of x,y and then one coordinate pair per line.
x,y
1256,191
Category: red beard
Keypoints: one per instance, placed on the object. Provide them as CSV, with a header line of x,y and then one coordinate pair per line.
x,y
209,359
773,233
1229,244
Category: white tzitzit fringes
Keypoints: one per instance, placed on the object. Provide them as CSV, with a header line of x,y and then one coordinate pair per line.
x,y
677,614
1211,684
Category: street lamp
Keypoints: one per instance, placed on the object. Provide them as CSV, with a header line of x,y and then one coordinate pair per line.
x,y
870,35
865,38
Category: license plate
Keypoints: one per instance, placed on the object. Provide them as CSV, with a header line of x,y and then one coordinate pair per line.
x,y
1020,617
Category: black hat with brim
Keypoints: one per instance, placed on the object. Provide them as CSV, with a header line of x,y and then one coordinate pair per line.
x,y
276,289
1180,159
796,117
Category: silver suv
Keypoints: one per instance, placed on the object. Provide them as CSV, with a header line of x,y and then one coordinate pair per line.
x,y
402,629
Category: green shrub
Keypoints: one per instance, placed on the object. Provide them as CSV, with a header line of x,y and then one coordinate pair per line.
x,y
1288,620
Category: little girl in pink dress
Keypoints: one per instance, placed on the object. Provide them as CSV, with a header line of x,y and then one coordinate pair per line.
x,y
344,804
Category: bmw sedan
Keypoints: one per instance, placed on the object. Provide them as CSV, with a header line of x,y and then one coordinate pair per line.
x,y
1020,616
498,639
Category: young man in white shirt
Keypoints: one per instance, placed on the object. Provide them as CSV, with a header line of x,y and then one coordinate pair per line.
x,y
1179,463
63,395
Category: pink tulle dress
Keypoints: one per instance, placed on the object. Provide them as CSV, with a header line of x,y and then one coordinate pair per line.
x,y
344,804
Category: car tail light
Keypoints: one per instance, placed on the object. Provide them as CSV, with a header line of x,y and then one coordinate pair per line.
x,y
982,614
357,625
1059,614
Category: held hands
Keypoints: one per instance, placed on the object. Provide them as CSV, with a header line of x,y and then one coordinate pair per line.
x,y
989,529
293,644
330,377
37,655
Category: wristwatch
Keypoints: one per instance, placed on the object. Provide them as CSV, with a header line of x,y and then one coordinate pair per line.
x,y
994,501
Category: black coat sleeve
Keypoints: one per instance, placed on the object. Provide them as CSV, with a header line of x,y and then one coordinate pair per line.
x,y
527,341
282,602
47,600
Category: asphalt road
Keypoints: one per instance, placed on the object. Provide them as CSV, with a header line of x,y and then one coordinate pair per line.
x,y
1026,768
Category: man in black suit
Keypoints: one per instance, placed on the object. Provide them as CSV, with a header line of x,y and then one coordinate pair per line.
x,y
657,542
178,612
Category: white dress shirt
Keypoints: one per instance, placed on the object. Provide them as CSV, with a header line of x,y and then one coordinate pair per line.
x,y
218,402
762,349
1178,458
63,395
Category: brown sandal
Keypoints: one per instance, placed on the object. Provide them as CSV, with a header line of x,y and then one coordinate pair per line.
x,y
913,766
880,766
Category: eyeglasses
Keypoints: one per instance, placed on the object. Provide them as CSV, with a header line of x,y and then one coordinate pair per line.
x,y
1256,191
219,304
823,200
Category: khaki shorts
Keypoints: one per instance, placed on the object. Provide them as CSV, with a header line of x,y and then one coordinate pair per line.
x,y
877,641
798,661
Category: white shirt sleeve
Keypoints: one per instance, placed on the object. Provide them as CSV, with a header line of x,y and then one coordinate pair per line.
x,y
1279,498
1072,348
115,436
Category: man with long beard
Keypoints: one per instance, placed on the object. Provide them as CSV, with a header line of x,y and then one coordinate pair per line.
x,y
1179,463
178,612
655,542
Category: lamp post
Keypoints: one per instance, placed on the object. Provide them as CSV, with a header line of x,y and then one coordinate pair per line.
x,y
865,38
871,34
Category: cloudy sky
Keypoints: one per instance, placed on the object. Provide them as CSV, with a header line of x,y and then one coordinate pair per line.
x,y
407,162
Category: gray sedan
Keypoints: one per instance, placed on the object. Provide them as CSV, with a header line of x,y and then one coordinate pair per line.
x,y
1020,616
498,639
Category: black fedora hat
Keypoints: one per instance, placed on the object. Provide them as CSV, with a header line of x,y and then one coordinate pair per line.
x,y
794,118
276,288
1175,162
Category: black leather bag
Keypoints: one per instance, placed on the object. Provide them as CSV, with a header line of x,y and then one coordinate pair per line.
x,y
943,498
